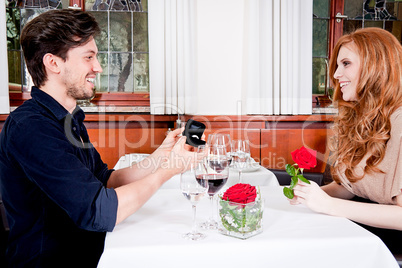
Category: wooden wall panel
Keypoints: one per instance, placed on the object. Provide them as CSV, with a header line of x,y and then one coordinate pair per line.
x,y
112,143
277,145
272,138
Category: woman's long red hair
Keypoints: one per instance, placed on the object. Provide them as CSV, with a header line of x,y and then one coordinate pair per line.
x,y
363,126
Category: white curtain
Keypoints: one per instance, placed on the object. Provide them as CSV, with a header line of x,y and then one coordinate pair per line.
x,y
4,95
171,56
278,76
256,53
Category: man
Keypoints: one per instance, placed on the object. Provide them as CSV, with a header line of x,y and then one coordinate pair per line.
x,y
60,197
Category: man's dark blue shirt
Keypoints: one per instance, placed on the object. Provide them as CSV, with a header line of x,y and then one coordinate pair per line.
x,y
53,185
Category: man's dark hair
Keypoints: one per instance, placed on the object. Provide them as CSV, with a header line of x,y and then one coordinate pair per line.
x,y
55,32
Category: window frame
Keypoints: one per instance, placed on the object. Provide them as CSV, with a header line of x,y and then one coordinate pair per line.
x,y
335,28
17,95
335,31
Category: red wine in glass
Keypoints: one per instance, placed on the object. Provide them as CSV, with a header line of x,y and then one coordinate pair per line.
x,y
215,182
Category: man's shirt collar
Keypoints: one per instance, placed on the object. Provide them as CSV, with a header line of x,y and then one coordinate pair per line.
x,y
55,107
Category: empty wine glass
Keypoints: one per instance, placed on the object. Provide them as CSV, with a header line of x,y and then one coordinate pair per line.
x,y
221,139
217,173
193,189
240,155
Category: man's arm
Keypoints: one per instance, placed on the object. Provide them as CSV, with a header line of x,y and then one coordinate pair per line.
x,y
133,191
134,195
147,166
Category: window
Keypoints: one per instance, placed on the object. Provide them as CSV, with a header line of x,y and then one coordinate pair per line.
x,y
122,45
321,10
333,18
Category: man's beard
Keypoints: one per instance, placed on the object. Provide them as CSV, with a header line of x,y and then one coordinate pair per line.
x,y
80,93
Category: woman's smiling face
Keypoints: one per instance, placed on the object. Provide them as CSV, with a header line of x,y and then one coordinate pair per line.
x,y
348,71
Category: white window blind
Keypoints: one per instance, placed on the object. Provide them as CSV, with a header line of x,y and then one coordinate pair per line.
x,y
230,56
279,67
171,57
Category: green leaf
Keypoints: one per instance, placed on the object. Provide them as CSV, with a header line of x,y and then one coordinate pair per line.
x,y
294,182
303,179
290,170
288,192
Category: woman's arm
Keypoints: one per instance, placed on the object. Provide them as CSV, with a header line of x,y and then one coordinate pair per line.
x,y
333,189
381,216
336,190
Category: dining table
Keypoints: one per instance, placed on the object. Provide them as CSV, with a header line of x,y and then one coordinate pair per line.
x,y
292,236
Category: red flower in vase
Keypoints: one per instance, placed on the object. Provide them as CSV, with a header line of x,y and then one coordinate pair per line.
x,y
240,193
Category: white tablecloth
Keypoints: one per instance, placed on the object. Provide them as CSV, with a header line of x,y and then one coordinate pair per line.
x,y
293,236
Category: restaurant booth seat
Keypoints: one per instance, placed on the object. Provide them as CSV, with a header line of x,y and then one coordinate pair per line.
x,y
398,258
284,178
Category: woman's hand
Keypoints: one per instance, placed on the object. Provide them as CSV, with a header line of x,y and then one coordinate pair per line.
x,y
312,196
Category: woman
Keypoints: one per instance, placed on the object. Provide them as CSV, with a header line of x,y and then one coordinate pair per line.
x,y
366,69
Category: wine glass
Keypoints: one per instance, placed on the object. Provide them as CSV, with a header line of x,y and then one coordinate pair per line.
x,y
217,173
241,155
193,189
221,140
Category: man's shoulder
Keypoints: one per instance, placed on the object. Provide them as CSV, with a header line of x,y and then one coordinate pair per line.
x,y
26,120
28,113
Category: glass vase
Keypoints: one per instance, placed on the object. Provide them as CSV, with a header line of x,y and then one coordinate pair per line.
x,y
241,220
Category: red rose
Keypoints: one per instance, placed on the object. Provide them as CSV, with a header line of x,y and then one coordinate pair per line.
x,y
305,158
240,193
